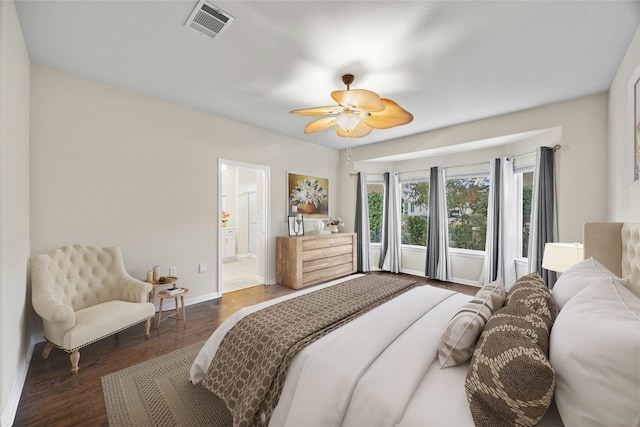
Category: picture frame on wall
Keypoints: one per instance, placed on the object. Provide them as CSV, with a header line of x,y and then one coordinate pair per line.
x,y
307,195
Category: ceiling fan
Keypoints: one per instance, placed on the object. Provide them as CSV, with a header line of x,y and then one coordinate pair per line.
x,y
357,113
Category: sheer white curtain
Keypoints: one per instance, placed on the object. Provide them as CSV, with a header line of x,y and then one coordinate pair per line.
x,y
362,224
500,247
391,261
438,265
544,222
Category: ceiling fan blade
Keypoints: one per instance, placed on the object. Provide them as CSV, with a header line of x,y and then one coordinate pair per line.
x,y
393,115
316,111
320,124
358,132
358,99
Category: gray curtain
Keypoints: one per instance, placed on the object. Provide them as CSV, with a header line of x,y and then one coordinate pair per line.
x,y
500,246
384,239
438,262
362,224
391,259
544,222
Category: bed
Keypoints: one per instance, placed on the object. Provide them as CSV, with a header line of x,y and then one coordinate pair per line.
x,y
426,356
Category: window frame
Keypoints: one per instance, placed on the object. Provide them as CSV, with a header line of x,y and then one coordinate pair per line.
x,y
518,176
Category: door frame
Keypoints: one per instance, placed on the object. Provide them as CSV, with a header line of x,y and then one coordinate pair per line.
x,y
265,221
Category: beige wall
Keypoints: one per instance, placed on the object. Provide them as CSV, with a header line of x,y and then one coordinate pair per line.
x,y
15,311
624,193
581,164
112,167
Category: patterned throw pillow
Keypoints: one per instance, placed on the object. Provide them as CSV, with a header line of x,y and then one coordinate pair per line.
x,y
460,337
510,380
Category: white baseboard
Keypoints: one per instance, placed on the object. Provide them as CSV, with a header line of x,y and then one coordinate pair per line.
x,y
412,272
11,408
466,282
453,279
201,298
195,300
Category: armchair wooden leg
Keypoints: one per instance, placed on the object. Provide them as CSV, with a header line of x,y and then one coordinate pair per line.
x,y
75,358
147,327
47,349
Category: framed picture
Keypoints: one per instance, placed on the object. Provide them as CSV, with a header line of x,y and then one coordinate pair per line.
x,y
308,195
296,225
636,128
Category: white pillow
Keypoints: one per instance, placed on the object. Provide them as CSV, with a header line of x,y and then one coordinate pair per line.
x,y
461,334
578,277
595,351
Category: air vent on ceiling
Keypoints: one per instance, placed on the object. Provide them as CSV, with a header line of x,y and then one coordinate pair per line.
x,y
209,20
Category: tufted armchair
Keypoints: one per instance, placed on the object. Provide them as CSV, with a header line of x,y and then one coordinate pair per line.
x,y
84,294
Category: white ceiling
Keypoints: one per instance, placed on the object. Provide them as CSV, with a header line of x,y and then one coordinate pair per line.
x,y
447,62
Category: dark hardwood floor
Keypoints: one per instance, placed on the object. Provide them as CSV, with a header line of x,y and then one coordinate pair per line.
x,y
53,396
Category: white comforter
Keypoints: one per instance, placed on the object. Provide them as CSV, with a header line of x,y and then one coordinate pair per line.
x,y
379,370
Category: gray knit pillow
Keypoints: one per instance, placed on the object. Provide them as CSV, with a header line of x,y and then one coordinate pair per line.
x,y
510,380
460,337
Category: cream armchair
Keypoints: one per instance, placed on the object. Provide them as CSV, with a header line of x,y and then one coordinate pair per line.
x,y
84,294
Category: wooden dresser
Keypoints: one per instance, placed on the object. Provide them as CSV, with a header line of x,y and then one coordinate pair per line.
x,y
307,260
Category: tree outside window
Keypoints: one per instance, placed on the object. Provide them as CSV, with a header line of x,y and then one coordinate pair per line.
x,y
375,194
415,210
467,204
527,194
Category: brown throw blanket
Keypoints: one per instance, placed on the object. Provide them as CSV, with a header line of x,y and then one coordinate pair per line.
x,y
250,366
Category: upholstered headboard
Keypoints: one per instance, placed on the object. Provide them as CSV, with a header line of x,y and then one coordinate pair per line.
x,y
616,245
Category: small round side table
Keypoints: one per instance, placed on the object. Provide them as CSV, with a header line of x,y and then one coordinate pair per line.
x,y
169,281
164,295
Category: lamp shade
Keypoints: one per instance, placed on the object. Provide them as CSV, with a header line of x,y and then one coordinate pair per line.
x,y
560,256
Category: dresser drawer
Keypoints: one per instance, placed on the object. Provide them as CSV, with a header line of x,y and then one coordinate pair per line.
x,y
326,252
327,242
317,264
326,274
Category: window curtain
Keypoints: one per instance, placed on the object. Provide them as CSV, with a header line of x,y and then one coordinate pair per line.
x,y
362,224
500,246
384,239
438,265
544,222
390,254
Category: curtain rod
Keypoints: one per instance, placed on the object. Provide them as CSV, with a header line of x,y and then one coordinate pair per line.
x,y
555,148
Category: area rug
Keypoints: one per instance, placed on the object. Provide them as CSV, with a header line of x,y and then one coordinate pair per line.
x,y
158,393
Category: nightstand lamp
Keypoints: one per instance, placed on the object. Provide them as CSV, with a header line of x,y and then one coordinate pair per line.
x,y
560,256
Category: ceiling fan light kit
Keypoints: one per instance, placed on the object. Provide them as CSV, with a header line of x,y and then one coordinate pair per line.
x,y
348,119
358,112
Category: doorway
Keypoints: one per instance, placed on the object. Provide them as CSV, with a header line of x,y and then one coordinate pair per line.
x,y
243,194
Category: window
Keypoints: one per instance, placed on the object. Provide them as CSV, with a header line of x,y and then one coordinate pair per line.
x,y
467,204
415,204
375,194
525,190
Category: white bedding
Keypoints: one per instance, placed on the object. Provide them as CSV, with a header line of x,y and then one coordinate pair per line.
x,y
203,359
380,369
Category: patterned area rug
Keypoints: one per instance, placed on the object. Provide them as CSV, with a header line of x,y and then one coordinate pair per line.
x,y
158,393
